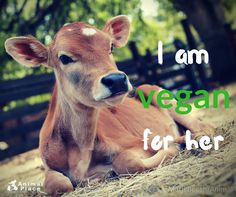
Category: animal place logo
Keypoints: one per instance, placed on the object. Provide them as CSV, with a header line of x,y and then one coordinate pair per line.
x,y
23,186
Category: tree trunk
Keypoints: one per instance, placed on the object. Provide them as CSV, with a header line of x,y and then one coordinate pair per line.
x,y
207,17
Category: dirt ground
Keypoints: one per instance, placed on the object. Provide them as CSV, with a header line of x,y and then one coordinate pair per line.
x,y
198,173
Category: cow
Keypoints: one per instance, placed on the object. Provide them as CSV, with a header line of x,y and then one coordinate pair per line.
x,y
92,126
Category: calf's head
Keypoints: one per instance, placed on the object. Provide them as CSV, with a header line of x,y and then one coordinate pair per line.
x,y
81,56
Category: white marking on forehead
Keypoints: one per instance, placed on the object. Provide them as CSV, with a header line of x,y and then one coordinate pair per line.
x,y
88,31
66,24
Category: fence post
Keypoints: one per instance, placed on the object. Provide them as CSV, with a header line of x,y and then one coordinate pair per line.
x,y
189,70
192,45
138,61
151,73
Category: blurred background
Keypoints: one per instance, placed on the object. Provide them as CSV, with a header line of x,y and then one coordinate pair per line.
x,y
195,24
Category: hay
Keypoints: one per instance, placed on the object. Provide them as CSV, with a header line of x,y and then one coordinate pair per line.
x,y
207,173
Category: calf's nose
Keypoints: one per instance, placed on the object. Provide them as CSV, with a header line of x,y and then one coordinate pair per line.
x,y
116,83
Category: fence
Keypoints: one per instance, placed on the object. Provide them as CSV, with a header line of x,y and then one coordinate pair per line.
x,y
19,127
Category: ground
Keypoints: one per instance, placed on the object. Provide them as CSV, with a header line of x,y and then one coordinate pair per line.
x,y
191,173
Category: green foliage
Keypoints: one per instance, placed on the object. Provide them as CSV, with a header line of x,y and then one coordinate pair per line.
x,y
30,101
230,12
42,19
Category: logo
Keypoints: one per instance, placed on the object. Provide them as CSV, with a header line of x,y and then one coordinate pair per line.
x,y
12,186
23,186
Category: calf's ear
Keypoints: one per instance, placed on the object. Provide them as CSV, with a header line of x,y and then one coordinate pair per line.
x,y
119,28
28,51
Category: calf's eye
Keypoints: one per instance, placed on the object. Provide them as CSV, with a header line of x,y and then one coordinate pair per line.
x,y
65,59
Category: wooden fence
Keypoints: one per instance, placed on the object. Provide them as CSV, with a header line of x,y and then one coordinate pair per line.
x,y
19,127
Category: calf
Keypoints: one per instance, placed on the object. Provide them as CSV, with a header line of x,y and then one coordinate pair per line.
x,y
91,125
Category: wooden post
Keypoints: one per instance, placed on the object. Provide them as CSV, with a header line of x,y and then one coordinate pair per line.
x,y
151,68
134,50
138,61
192,45
189,70
231,35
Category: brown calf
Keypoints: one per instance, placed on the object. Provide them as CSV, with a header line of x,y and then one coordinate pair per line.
x,y
90,120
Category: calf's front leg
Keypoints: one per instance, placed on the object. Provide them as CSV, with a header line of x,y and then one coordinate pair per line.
x,y
56,183
79,161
